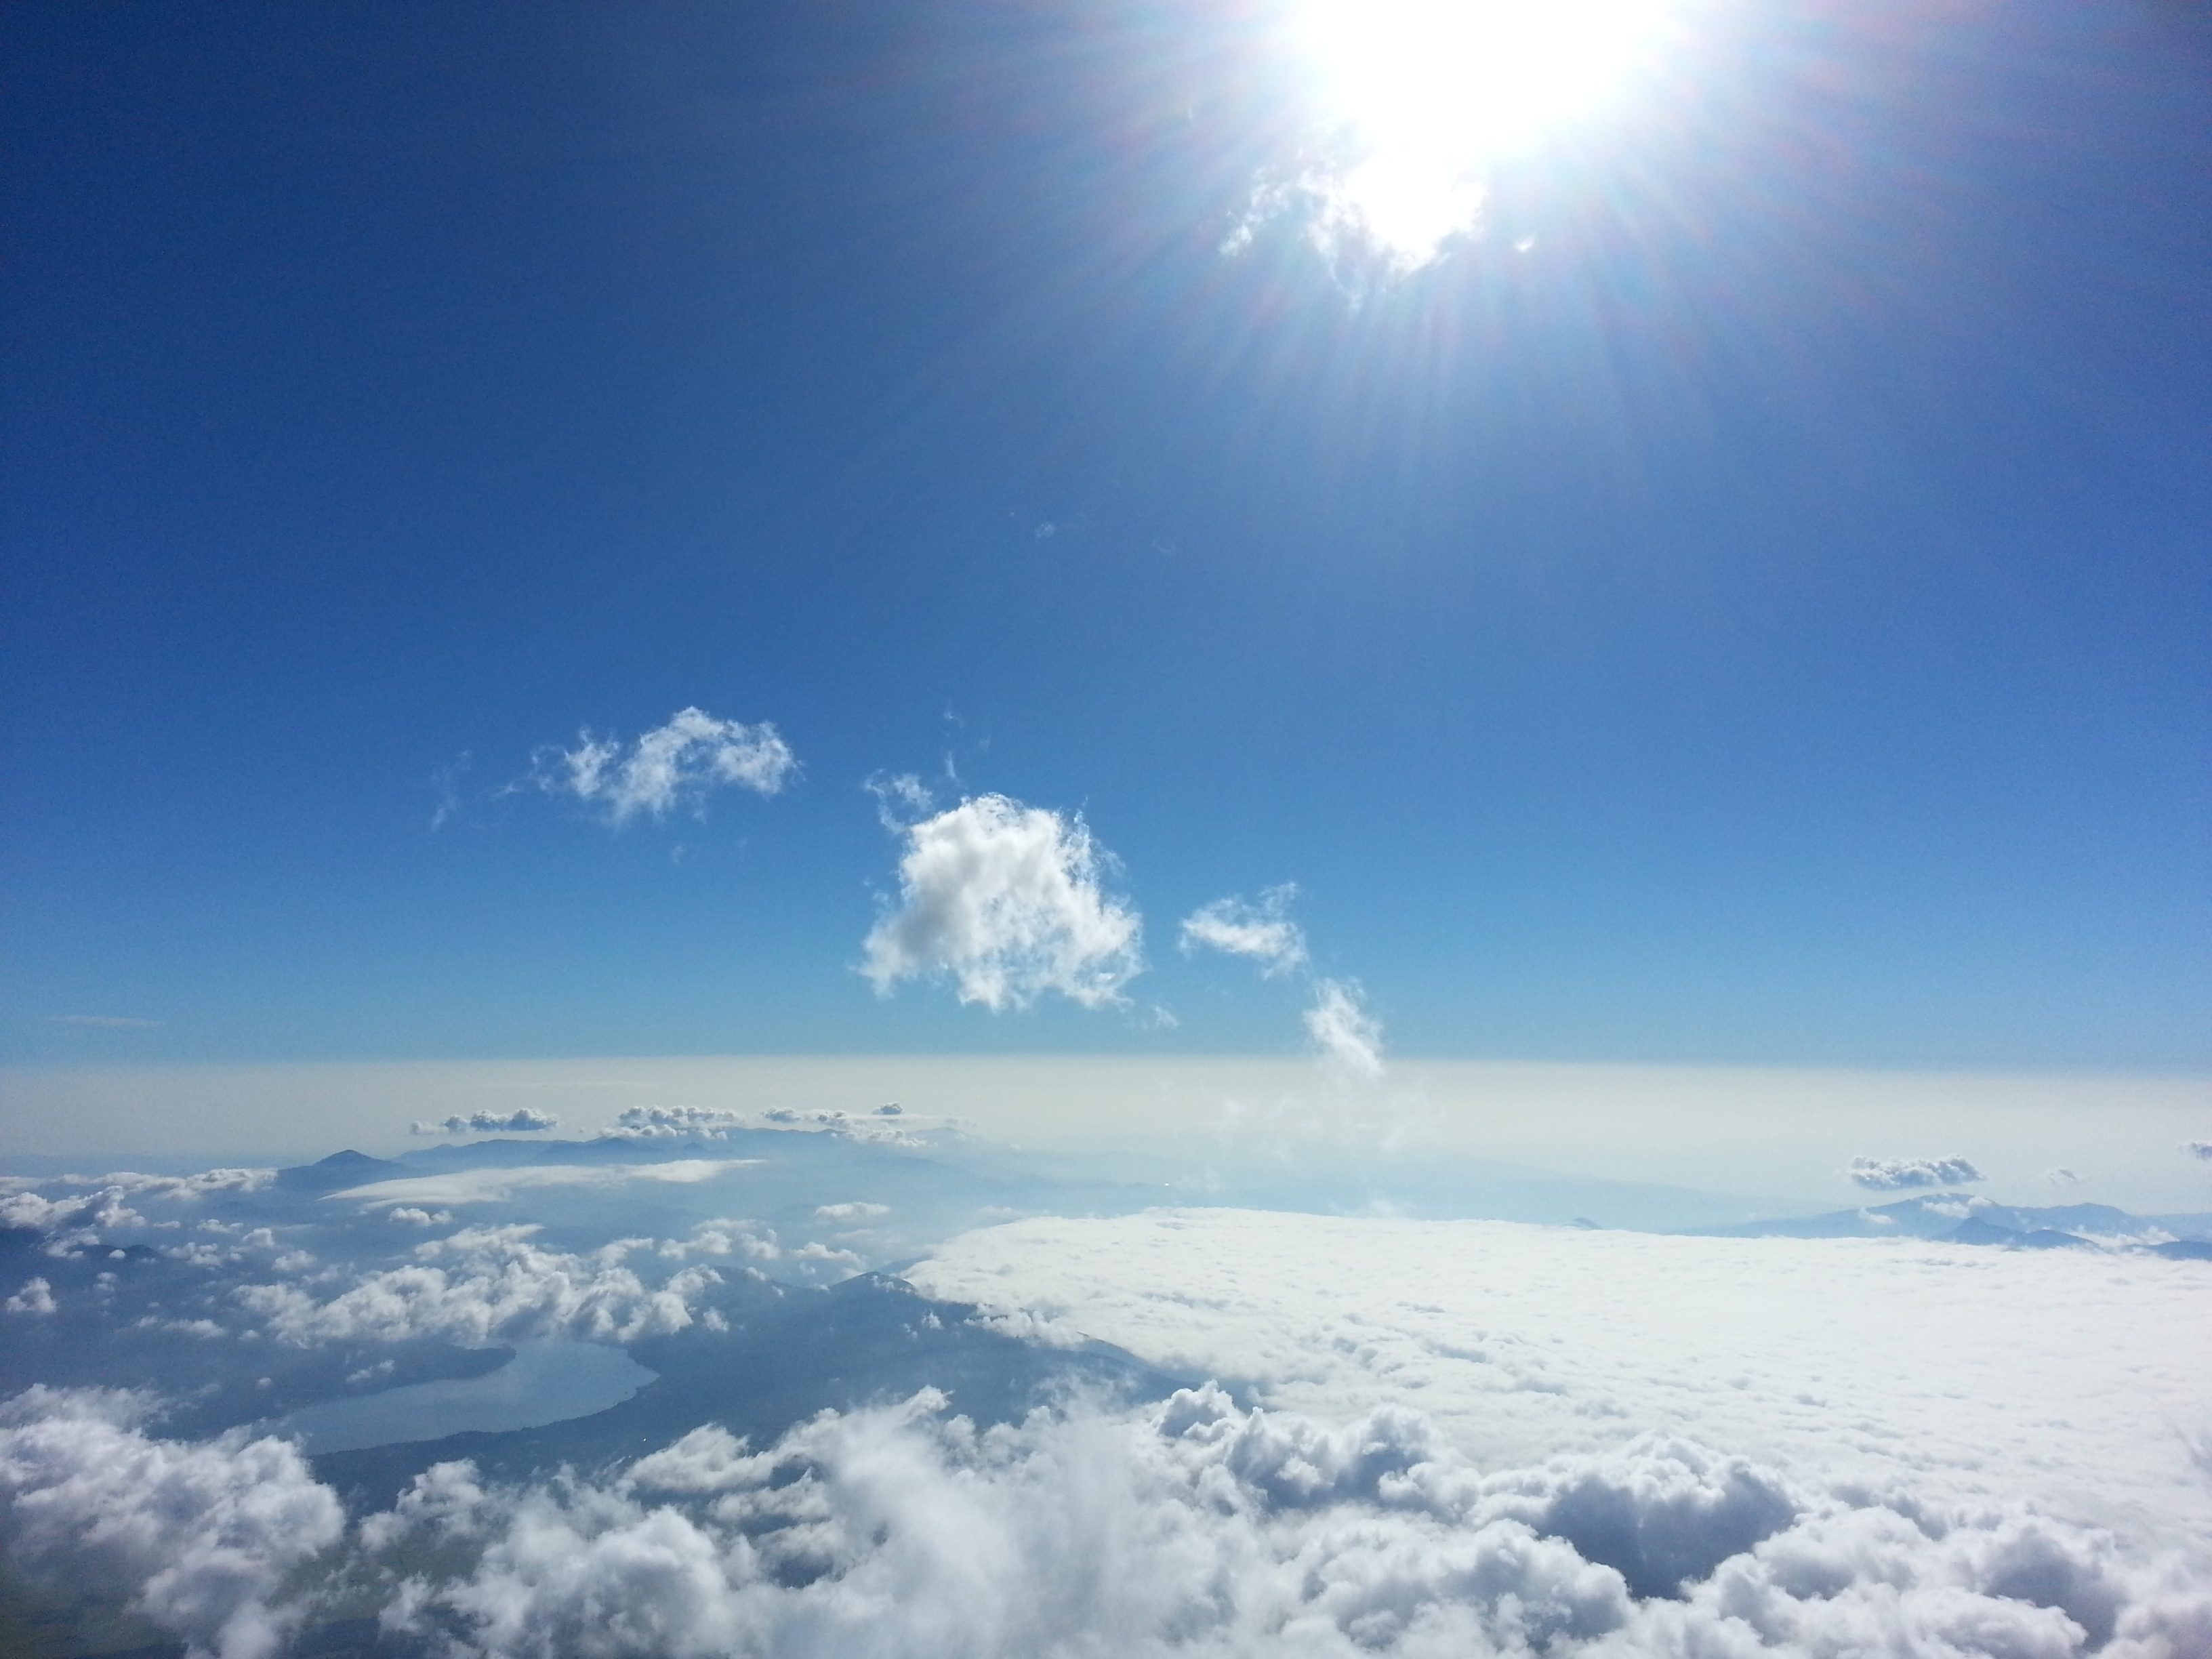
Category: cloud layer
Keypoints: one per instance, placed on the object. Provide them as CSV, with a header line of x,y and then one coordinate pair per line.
x,y
672,767
1007,902
1192,1526
1979,1377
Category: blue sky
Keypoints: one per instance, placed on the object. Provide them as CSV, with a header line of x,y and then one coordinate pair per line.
x,y
1762,620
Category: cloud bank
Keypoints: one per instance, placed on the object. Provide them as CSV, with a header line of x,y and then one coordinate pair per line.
x,y
1007,902
1891,1175
676,765
1192,1527
1971,1376
522,1121
498,1186
1464,1438
485,1286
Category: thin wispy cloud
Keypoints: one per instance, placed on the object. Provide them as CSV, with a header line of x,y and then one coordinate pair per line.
x,y
1892,1175
101,1021
1346,1036
1007,902
902,799
524,1119
1263,932
447,781
670,768
1342,1029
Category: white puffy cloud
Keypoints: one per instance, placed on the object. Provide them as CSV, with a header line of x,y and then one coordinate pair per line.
x,y
1263,932
36,1297
83,1203
1345,1035
483,1285
203,1535
104,1208
523,1119
673,1123
1006,901
1890,1174
1197,1528
673,766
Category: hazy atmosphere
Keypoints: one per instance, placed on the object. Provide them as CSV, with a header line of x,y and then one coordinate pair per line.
x,y
981,828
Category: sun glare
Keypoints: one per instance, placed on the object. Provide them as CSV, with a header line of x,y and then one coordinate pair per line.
x,y
1420,94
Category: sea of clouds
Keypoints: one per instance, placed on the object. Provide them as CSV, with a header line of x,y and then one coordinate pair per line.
x,y
1391,1435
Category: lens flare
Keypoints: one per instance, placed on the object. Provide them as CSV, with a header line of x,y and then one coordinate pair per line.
x,y
1418,96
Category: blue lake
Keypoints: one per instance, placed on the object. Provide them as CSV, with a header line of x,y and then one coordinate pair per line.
x,y
545,1382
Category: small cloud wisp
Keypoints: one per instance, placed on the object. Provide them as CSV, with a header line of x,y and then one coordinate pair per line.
x,y
672,767
1263,932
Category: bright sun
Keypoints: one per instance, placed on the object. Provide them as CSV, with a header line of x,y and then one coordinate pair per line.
x,y
1423,93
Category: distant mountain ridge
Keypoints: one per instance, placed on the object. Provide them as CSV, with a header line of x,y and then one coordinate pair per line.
x,y
1964,1218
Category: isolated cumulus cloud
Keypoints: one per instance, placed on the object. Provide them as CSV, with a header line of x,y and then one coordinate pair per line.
x,y
1891,1175
522,1121
1263,932
1006,902
36,1297
1348,1038
672,767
